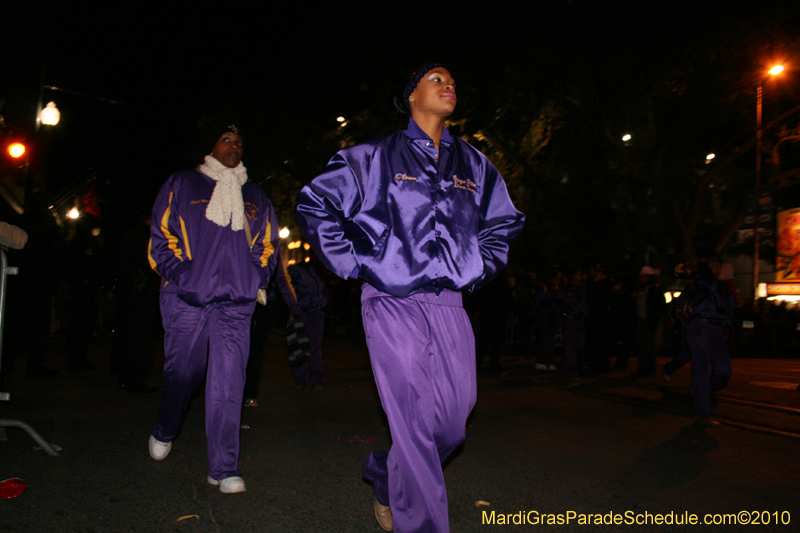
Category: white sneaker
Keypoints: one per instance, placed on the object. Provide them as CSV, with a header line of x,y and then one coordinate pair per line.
x,y
540,366
229,485
159,450
552,368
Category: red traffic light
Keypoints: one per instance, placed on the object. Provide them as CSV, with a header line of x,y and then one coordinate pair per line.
x,y
16,150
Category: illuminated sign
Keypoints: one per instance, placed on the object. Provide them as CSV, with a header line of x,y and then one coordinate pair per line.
x,y
783,288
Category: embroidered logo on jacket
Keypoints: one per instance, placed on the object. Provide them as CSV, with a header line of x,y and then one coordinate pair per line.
x,y
251,210
467,185
403,177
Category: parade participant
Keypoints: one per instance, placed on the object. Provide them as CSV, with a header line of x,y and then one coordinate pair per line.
x,y
263,318
419,216
547,308
600,321
312,297
211,275
649,310
573,325
706,308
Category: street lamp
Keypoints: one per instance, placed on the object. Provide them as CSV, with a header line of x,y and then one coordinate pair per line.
x,y
50,115
757,193
16,150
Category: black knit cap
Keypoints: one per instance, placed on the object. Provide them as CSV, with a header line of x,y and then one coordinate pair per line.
x,y
414,80
217,129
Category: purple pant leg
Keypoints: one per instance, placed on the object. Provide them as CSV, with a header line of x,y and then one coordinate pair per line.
x,y
310,372
229,347
185,351
423,359
376,472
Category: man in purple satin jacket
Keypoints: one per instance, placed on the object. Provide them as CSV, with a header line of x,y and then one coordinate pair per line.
x,y
420,216
211,275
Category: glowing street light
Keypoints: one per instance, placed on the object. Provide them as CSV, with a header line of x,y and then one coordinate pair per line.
x,y
50,115
757,193
73,213
283,233
16,150
710,157
626,137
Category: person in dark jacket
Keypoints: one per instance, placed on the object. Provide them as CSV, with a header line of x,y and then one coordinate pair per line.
x,y
599,322
547,308
263,317
312,297
573,324
649,309
136,294
706,309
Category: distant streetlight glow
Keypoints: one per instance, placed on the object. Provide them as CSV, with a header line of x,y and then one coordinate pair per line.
x,y
626,137
73,213
16,150
283,233
340,119
710,157
50,115
777,69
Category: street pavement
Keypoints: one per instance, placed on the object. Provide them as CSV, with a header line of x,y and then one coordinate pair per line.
x,y
535,444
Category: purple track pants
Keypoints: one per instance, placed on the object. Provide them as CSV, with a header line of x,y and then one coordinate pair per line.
x,y
422,350
211,341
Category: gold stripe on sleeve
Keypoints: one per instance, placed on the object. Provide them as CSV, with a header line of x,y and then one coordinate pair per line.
x,y
153,264
172,240
268,248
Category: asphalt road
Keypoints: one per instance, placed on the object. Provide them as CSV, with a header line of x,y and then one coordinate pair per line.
x,y
534,446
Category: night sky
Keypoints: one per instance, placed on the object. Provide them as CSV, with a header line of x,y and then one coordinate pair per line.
x,y
285,73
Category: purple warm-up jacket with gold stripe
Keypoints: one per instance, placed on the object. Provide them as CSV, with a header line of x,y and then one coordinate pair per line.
x,y
205,263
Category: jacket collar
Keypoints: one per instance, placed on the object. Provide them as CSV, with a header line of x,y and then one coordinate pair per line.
x,y
415,132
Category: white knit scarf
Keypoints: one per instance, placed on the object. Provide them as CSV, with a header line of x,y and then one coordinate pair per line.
x,y
226,205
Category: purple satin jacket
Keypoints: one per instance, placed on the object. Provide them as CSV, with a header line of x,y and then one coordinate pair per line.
x,y
408,218
205,263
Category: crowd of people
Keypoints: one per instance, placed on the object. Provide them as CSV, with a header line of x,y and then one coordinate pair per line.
x,y
421,223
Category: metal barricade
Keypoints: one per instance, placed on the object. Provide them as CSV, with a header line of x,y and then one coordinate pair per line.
x,y
4,396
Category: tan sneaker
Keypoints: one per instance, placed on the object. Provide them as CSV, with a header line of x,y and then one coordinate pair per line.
x,y
383,514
